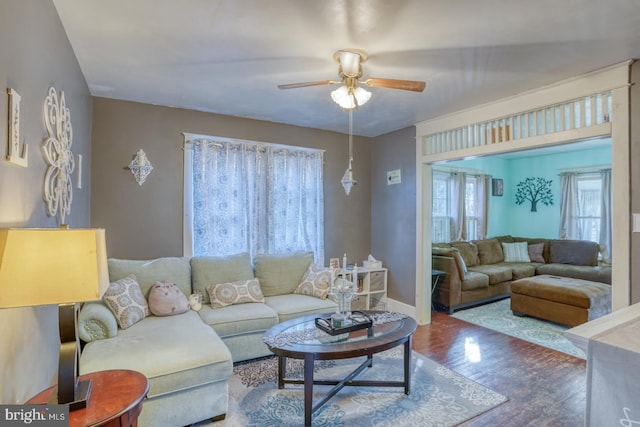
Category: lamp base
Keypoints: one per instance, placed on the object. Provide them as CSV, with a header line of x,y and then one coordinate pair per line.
x,y
82,391
71,391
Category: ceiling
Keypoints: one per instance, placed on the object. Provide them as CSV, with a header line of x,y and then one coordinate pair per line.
x,y
228,56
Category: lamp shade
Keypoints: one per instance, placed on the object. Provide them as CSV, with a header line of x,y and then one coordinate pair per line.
x,y
52,266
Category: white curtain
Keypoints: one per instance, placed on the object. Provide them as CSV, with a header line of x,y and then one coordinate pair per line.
x,y
459,226
482,208
569,207
605,215
256,198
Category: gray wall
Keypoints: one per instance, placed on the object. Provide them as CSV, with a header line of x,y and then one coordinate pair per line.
x,y
144,222
35,54
393,211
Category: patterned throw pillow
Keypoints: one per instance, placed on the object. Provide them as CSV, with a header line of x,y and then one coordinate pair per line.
x,y
126,301
516,252
165,299
316,282
243,291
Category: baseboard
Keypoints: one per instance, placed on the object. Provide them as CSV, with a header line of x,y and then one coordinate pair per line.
x,y
400,307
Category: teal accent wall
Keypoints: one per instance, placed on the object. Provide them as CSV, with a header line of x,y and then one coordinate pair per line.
x,y
505,217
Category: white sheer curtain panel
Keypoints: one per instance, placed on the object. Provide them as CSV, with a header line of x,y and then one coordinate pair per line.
x,y
257,198
483,185
569,208
459,226
605,216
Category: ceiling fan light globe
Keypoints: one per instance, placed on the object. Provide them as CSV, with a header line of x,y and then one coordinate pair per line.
x,y
350,63
350,99
362,95
343,98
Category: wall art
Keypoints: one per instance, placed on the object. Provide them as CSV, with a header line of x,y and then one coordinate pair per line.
x,y
140,167
58,188
497,188
534,190
17,153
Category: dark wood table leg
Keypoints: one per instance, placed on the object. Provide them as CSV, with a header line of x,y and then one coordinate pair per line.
x,y
407,365
282,371
309,360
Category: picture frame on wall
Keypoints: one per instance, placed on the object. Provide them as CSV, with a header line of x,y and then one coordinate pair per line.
x,y
334,263
497,187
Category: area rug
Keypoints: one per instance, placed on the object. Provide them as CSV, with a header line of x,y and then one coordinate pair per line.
x,y
499,317
438,397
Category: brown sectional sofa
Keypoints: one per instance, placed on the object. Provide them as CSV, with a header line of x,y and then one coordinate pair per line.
x,y
476,272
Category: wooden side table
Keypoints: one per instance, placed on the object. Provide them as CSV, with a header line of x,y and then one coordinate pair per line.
x,y
115,401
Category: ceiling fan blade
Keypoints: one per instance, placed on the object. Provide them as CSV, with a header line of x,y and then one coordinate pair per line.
x,y
306,84
396,84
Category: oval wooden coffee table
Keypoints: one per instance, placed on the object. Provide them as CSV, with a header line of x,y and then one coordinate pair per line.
x,y
301,339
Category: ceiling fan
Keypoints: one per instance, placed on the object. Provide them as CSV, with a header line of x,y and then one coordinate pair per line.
x,y
351,95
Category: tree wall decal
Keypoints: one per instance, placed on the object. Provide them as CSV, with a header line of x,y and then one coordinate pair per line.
x,y
534,190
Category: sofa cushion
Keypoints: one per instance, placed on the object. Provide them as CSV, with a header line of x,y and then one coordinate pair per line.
x,y
148,272
209,270
126,301
536,251
316,282
239,319
296,305
166,299
520,270
507,238
574,252
516,252
489,251
159,348
469,252
496,272
281,274
240,292
584,272
454,253
474,280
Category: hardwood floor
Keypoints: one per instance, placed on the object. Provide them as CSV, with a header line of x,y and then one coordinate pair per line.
x,y
544,387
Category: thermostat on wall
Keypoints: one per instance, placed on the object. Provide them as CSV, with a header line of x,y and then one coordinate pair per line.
x,y
393,177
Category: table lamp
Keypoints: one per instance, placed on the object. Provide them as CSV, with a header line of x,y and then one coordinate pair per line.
x,y
56,266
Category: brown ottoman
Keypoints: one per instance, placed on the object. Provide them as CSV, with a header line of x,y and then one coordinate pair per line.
x,y
560,299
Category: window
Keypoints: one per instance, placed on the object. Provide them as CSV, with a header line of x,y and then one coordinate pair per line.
x,y
244,196
589,203
441,218
585,208
447,217
471,207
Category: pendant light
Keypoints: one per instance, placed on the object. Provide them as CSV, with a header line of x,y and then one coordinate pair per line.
x,y
347,180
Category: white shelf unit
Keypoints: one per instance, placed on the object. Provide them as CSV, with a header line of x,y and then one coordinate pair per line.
x,y
372,288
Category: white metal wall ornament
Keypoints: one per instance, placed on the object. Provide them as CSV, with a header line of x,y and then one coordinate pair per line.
x,y
58,188
140,167
17,153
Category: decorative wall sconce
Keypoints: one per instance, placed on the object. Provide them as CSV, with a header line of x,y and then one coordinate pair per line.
x,y
140,167
58,188
18,152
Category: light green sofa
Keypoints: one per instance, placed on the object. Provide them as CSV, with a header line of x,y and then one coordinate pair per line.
x,y
189,357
